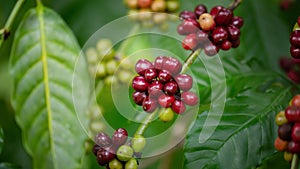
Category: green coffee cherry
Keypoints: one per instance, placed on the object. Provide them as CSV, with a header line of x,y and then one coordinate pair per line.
x,y
124,153
280,118
160,18
111,66
166,115
138,143
109,80
133,15
126,64
91,55
96,126
125,76
115,164
105,50
101,70
131,164
172,6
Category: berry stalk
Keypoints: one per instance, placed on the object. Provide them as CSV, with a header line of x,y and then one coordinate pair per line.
x,y
295,162
234,4
6,30
190,60
142,128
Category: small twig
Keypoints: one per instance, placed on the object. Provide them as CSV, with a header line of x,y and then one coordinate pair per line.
x,y
234,4
142,128
5,32
190,60
295,162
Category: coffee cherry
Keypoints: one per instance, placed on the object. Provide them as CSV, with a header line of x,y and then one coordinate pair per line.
x,y
96,148
226,45
132,3
160,18
150,74
224,17
296,132
155,89
138,143
124,153
280,118
293,147
211,49
215,10
138,97
189,98
280,145
178,107
144,3
234,32
184,81
288,156
119,137
139,83
188,26
104,156
206,22
219,35
172,6
296,101
172,65
149,104
237,21
103,140
142,65
295,52
235,43
158,6
166,100
189,42
115,164
284,132
131,164
171,88
159,62
164,76
292,114
166,115
187,15
295,38
201,37
200,9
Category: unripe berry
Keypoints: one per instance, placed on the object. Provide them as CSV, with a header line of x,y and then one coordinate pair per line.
x,y
280,118
172,6
280,145
131,164
124,153
138,143
166,115
158,6
115,164
288,156
206,22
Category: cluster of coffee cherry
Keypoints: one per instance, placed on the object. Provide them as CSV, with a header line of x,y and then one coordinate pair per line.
x,y
116,152
288,139
213,31
291,67
295,41
103,62
160,84
150,12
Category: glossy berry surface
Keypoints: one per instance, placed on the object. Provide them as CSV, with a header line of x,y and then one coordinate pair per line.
x,y
292,113
164,76
199,10
187,15
115,164
166,115
295,38
219,35
166,100
149,104
237,21
280,145
138,97
189,98
178,107
104,156
139,83
224,17
150,74
296,101
103,140
293,147
189,42
296,132
131,164
124,153
142,65
172,65
284,132
96,148
171,88
184,81
119,137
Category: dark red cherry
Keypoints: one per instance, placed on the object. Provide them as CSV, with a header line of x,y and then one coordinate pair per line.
x,y
224,17
172,65
200,9
166,100
139,83
138,97
150,74
155,89
171,87
103,140
178,107
119,137
184,81
292,114
149,104
189,98
164,76
159,62
187,15
215,10
237,21
142,65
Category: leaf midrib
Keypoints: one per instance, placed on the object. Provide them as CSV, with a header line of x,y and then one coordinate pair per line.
x,y
40,12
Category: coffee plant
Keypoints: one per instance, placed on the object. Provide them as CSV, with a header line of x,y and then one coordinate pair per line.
x,y
150,84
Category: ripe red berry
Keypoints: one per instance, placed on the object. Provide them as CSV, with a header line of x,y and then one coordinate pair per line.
x,y
164,76
142,65
189,98
280,145
172,65
103,140
226,45
139,83
188,26
138,97
207,22
295,52
296,101
184,82
96,148
189,42
294,76
286,64
178,107
119,137
295,38
234,32
293,147
284,132
201,37
171,88
215,10
235,43
211,49
296,132
104,156
187,15
165,100
219,35
292,113
155,89
149,104
150,74
200,9
237,21
159,62
224,17
144,3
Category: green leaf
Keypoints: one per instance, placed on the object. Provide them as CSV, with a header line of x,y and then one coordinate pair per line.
x,y
245,134
1,139
276,161
9,166
43,60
